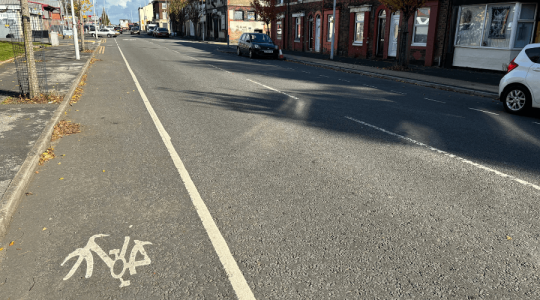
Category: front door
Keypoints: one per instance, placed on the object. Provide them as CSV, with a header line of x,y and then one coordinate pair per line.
x,y
318,34
216,33
393,36
382,32
310,33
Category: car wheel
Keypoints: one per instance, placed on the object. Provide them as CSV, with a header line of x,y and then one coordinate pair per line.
x,y
93,35
251,55
238,52
516,99
108,35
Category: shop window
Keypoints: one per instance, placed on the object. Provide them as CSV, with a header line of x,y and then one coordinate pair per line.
x,y
330,27
238,14
471,24
278,30
421,25
297,29
359,28
525,27
498,28
251,16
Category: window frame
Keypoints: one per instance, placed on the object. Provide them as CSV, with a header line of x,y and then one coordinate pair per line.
x,y
420,25
329,32
361,42
519,20
298,29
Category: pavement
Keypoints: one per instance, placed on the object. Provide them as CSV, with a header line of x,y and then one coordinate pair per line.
x,y
479,82
202,175
22,124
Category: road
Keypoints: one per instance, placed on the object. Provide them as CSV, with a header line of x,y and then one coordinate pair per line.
x,y
219,177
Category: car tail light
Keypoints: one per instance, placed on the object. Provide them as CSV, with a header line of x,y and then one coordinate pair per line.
x,y
512,65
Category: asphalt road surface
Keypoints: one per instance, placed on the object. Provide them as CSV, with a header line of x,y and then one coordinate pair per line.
x,y
202,175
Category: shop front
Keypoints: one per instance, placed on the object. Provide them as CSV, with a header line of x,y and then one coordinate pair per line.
x,y
490,35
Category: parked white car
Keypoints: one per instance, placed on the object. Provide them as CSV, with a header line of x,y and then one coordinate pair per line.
x,y
519,89
106,32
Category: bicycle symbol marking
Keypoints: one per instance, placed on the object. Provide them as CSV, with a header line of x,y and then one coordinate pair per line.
x,y
119,255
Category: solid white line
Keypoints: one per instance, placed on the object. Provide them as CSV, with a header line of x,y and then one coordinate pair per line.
x,y
325,76
487,112
273,89
238,282
536,123
370,86
479,166
344,80
434,100
397,92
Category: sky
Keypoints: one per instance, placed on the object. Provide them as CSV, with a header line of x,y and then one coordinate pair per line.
x,y
120,9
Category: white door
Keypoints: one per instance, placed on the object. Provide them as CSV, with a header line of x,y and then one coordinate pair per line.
x,y
318,34
394,31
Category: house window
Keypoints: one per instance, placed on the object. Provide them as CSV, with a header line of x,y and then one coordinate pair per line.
x,y
278,30
251,16
330,28
525,25
238,14
297,29
164,15
164,5
421,25
359,28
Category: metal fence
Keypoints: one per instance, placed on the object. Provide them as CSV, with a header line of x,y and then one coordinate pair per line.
x,y
40,37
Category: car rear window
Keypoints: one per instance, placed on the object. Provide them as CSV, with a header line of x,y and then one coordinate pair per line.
x,y
162,29
533,54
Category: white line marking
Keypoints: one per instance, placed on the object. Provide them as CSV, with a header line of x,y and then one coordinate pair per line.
x,y
536,123
487,112
306,72
434,100
397,92
273,89
238,282
324,76
344,80
479,166
370,86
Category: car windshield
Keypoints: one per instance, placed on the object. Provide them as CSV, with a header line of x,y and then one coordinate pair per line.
x,y
135,28
162,29
260,38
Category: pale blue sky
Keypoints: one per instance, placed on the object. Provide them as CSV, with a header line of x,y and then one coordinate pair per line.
x,y
120,9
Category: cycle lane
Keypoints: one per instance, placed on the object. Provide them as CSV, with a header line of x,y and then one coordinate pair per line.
x,y
115,182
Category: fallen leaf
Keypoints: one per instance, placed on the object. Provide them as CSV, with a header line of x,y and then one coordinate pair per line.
x,y
19,249
44,228
62,178
508,237
59,163
103,171
29,193
1,249
12,243
37,172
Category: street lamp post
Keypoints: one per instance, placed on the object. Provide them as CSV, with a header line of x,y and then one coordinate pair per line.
x,y
94,16
75,36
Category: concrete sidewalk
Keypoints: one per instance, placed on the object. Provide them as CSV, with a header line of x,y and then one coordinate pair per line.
x,y
21,125
482,83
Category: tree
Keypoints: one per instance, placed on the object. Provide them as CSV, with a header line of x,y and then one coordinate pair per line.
x,y
408,8
80,6
266,11
176,10
105,18
193,12
33,84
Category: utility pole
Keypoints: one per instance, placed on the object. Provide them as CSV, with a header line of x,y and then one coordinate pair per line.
x,y
94,19
33,83
81,19
333,31
75,37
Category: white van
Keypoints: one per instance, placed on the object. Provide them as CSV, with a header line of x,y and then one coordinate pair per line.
x,y
150,28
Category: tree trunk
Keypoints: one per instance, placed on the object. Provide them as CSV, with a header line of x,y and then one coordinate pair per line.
x,y
268,28
83,47
403,59
33,83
